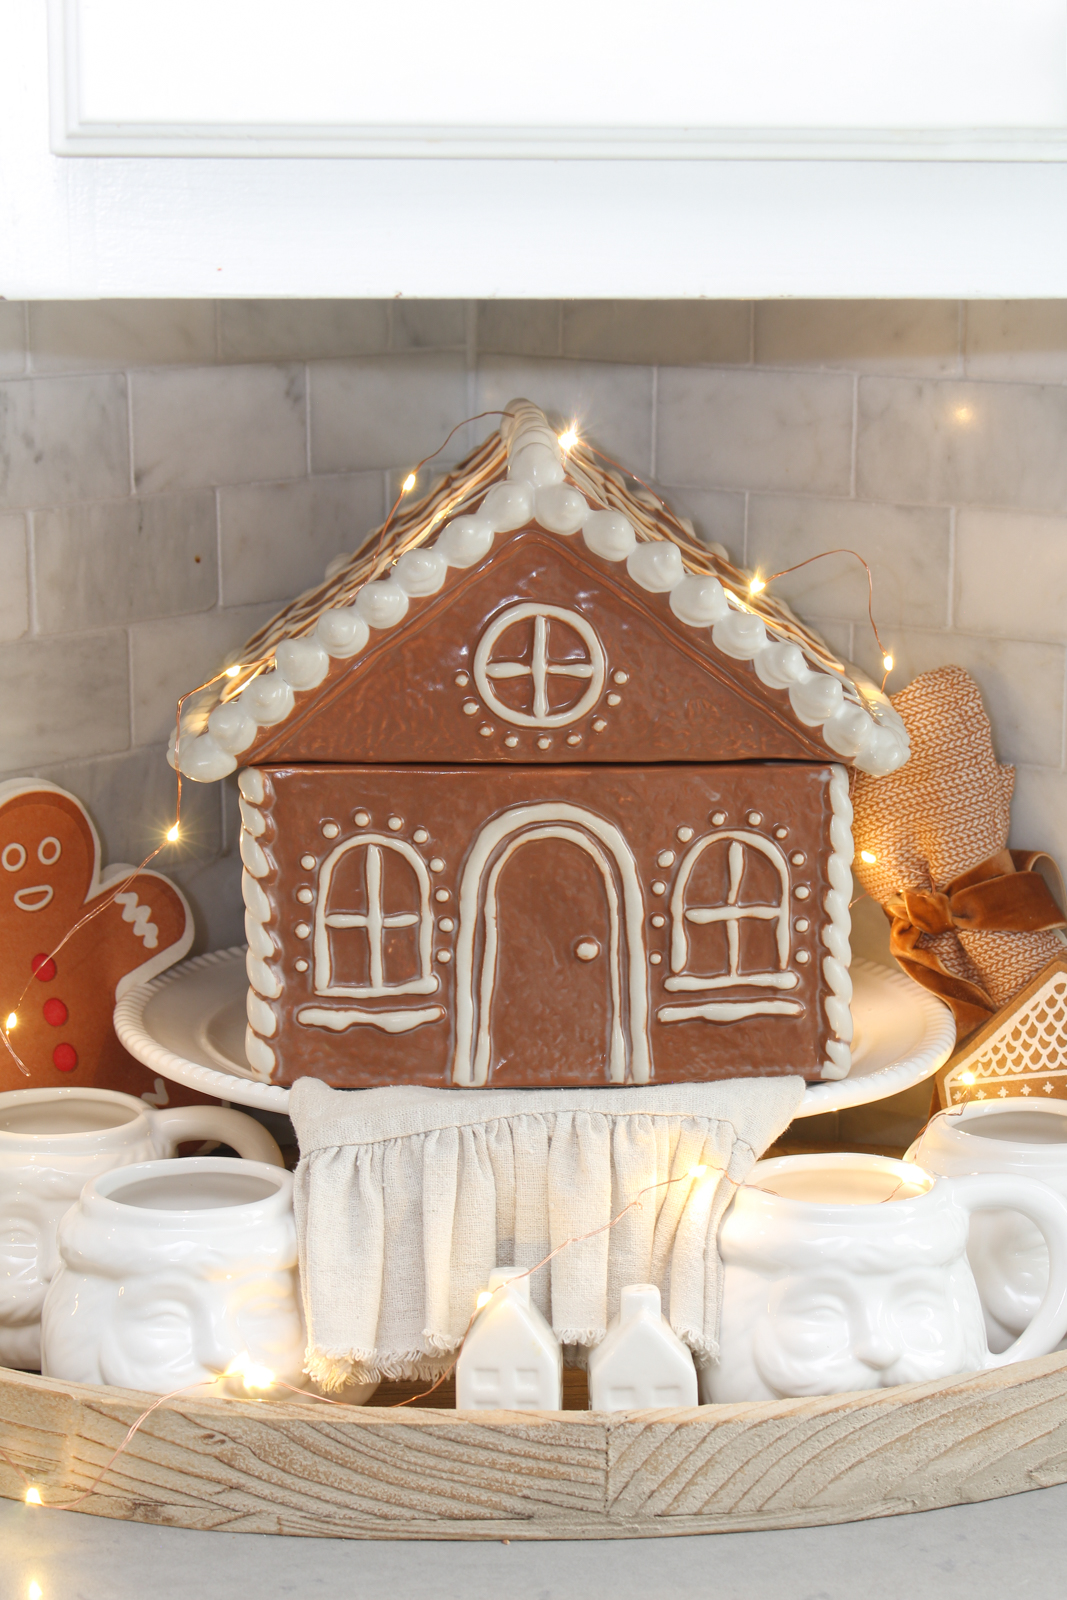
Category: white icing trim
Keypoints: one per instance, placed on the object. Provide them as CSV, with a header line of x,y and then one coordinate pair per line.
x,y
730,1011
388,1021
264,982
374,921
471,1058
732,915
539,669
873,739
837,931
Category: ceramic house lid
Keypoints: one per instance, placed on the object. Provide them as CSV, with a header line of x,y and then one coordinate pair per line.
x,y
519,612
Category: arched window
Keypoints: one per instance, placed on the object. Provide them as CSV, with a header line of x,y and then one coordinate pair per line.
x,y
732,914
373,919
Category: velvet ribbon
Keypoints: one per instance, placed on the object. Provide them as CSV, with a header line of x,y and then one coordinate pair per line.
x,y
1004,894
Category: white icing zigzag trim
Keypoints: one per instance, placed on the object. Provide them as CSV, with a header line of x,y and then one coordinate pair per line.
x,y
145,930
874,740
263,982
837,930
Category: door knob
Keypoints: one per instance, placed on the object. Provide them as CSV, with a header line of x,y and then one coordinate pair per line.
x,y
587,950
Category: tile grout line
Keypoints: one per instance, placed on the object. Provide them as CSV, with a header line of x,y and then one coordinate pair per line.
x,y
752,333
653,442
950,611
307,417
218,330
26,364
744,530
855,435
219,600
32,618
128,375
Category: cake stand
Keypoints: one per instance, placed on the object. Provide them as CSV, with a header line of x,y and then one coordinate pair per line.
x,y
189,1025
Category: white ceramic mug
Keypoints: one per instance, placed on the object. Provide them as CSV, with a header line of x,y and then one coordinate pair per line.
x,y
1027,1139
51,1142
172,1271
846,1272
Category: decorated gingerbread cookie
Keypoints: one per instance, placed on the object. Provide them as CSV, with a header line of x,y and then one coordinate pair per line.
x,y
50,880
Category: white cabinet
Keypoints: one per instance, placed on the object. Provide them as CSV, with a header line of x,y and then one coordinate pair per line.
x,y
685,147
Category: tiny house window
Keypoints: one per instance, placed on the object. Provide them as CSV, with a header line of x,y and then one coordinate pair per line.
x,y
732,914
373,922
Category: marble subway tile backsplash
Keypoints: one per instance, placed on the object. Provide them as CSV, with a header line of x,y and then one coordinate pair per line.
x,y
172,471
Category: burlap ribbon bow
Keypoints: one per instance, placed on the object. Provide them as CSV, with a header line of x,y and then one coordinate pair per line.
x,y
973,934
1005,894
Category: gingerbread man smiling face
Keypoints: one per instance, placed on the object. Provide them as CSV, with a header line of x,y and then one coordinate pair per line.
x,y
49,881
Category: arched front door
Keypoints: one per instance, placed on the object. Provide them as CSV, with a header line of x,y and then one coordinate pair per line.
x,y
550,961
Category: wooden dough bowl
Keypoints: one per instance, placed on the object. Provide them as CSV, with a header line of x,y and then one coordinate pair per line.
x,y
301,1467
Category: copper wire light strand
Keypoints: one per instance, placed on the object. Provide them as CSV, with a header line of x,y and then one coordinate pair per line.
x,y
870,593
418,468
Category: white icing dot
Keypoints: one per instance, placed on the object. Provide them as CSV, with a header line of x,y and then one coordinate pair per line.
x,y
798,858
486,731
420,836
470,708
803,957
755,818
444,956
780,833
446,924
658,921
302,930
544,743
395,824
574,738
587,950
441,894
665,858
803,924
655,958
620,677
685,834
659,887
614,699
330,830
305,896
599,725
801,892
718,817
462,679
307,862
512,740
361,818
301,966
437,865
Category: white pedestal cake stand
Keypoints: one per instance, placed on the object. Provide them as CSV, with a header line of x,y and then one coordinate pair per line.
x,y
189,1026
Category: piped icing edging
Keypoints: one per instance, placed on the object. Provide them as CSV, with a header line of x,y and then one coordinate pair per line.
x,y
836,933
263,984
853,716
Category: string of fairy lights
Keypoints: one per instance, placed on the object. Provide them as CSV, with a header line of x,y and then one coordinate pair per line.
x,y
569,438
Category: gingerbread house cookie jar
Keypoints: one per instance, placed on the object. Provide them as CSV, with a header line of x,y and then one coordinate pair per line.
x,y
536,792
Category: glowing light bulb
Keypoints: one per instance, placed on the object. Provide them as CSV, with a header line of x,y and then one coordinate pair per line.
x,y
34,1591
887,662
12,1020
868,856
172,834
698,1171
33,1496
257,1377
967,1077
757,586
232,672
484,1298
568,439
408,484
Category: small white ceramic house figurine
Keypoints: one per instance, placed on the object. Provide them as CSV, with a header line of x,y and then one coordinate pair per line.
x,y
641,1362
511,1360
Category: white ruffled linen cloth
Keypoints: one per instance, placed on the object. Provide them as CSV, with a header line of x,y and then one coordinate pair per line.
x,y
407,1198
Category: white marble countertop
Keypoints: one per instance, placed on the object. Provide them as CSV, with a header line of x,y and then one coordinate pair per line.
x,y
1016,1547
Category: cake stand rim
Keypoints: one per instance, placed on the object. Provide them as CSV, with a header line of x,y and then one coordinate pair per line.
x,y
921,1062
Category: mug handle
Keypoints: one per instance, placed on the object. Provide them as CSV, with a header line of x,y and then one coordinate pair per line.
x,y
1047,1210
175,1125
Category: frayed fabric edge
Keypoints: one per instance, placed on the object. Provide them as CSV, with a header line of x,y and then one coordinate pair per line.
x,y
334,1372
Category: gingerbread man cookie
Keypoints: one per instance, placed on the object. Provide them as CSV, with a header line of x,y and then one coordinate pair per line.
x,y
49,880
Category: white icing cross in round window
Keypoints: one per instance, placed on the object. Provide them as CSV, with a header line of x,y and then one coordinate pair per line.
x,y
551,656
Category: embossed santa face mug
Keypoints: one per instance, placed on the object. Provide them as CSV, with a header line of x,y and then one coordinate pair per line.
x,y
846,1272
1007,1253
51,1142
172,1271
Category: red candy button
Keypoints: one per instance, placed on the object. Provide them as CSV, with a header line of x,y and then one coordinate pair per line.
x,y
55,1012
64,1058
44,968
